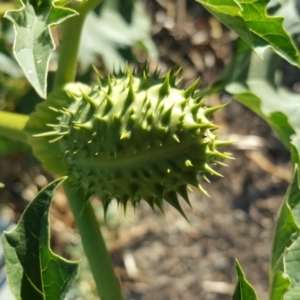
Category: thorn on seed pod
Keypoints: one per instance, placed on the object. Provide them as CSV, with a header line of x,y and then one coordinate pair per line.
x,y
132,137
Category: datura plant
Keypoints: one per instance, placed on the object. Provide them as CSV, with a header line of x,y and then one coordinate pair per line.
x,y
130,137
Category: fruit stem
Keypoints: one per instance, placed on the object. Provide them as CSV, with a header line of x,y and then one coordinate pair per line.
x,y
108,285
12,126
69,48
4,7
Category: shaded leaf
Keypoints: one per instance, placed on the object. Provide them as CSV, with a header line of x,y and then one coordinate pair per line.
x,y
250,21
243,290
33,43
34,271
296,150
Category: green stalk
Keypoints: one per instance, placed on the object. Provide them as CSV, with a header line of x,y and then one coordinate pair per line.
x,y
67,63
12,126
72,28
107,283
108,286
4,7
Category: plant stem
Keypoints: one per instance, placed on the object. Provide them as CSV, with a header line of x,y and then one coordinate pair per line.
x,y
94,246
67,63
69,48
12,126
4,7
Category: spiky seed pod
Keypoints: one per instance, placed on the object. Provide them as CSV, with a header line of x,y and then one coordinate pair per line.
x,y
129,138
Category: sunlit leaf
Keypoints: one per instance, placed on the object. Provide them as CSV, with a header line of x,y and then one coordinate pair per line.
x,y
33,43
259,30
289,9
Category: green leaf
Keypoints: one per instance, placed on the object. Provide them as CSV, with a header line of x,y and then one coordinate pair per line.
x,y
34,271
243,290
33,43
285,260
249,20
279,285
286,226
110,33
289,10
296,150
256,83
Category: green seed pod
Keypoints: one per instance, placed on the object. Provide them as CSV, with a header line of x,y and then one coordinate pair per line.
x,y
129,138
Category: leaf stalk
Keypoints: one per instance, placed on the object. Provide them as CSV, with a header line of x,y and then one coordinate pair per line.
x,y
69,48
12,126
